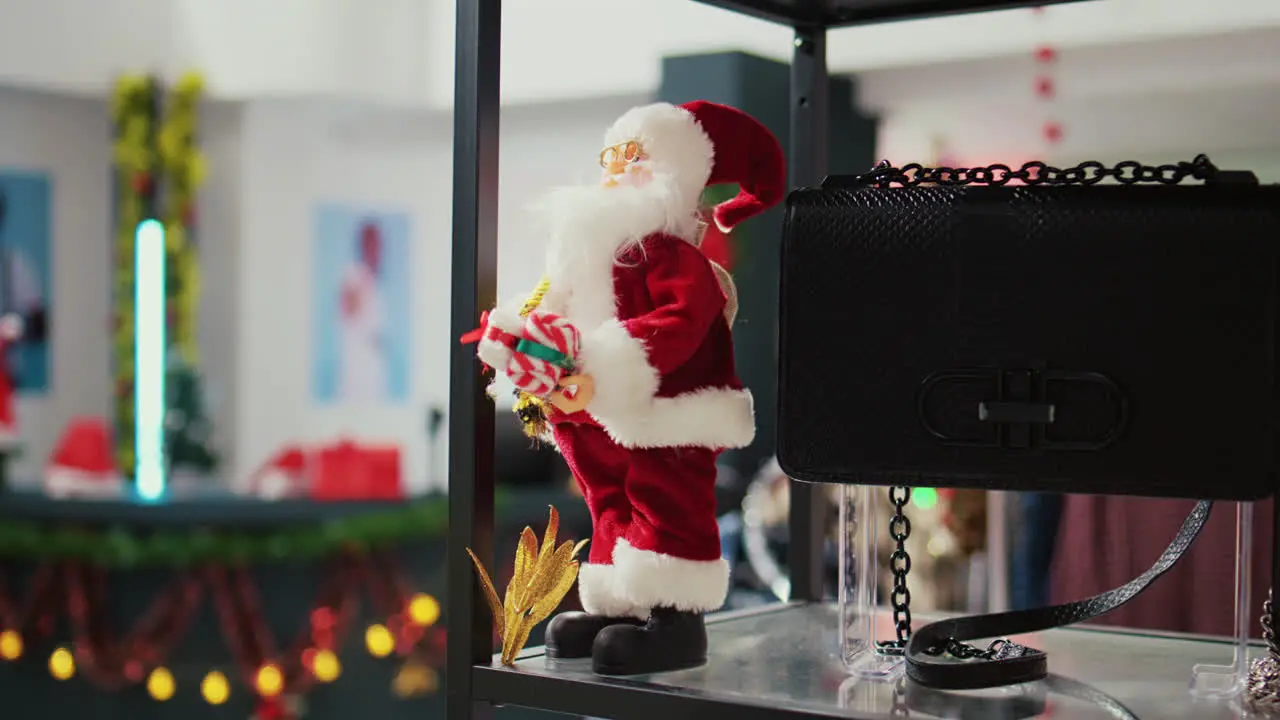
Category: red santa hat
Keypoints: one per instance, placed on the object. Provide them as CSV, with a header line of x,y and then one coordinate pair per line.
x,y
284,474
82,463
701,143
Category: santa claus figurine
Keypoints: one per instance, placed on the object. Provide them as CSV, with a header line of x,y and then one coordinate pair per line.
x,y
653,396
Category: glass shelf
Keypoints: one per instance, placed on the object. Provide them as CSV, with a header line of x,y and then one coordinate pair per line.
x,y
782,662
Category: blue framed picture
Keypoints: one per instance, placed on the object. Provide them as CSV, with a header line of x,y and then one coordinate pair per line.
x,y
26,286
361,295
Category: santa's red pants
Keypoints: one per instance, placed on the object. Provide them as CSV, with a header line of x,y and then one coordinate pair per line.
x,y
655,541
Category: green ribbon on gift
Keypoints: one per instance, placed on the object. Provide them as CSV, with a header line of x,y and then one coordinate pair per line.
x,y
539,351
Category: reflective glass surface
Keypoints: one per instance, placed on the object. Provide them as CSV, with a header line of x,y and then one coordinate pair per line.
x,y
788,658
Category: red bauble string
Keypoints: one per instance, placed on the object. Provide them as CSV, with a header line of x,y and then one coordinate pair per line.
x,y
1046,54
1053,132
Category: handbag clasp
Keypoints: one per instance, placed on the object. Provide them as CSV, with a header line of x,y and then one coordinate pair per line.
x,y
1022,409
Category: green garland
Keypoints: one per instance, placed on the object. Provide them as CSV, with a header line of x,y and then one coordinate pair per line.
x,y
133,111
129,548
183,169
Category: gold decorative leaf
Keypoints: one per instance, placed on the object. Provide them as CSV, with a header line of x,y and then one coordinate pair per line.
x,y
548,603
529,546
547,575
514,643
490,593
542,576
549,539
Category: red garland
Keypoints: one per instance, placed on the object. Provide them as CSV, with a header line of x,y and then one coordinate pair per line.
x,y
114,664
35,621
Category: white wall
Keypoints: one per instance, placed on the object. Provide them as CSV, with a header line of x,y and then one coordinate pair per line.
x,y
69,138
1152,98
219,213
401,51
297,154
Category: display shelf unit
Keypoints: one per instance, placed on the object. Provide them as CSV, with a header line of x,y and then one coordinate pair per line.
x,y
474,685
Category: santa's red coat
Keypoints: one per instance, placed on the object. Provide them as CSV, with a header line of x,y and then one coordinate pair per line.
x,y
668,399
663,365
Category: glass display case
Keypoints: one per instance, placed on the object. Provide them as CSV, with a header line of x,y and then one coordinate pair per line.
x,y
801,658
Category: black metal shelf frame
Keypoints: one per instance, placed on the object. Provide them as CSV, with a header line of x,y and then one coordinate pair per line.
x,y
473,687
846,13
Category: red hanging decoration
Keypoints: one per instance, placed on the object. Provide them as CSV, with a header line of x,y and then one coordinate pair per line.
x,y
1045,88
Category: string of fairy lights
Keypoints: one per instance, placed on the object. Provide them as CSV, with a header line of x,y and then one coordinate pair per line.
x,y
268,680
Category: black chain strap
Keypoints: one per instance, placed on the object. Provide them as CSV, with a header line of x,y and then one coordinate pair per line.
x,y
1092,172
900,598
900,566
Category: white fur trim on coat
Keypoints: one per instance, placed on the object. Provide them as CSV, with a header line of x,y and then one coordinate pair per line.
x,y
599,597
624,403
649,579
619,363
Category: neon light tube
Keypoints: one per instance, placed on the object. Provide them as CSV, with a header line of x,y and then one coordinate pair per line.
x,y
149,359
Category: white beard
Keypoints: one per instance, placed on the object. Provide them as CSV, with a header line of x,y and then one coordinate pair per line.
x,y
588,222
591,226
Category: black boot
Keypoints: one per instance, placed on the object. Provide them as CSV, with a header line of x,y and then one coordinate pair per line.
x,y
570,634
671,640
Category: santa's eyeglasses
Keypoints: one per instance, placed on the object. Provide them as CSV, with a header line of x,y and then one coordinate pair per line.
x,y
629,151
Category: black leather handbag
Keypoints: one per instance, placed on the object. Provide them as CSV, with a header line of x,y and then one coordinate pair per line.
x,y
1104,330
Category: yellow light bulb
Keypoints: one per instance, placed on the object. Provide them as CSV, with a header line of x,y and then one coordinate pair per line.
x,y
379,640
215,688
62,664
424,610
415,679
326,667
10,645
270,681
160,684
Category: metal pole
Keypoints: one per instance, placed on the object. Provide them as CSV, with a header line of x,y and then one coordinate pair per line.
x,y
473,288
808,165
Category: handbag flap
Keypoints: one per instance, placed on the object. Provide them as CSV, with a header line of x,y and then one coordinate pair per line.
x,y
1099,339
